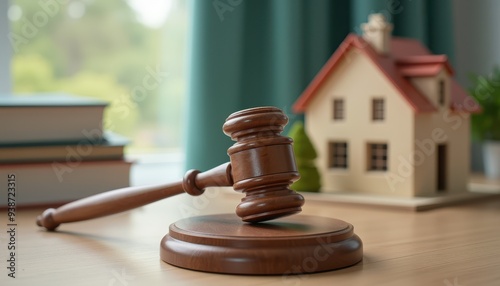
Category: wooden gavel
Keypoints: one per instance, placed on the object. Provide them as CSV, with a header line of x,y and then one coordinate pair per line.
x,y
262,166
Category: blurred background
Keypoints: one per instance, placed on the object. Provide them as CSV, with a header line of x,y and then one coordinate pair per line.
x,y
104,49
211,58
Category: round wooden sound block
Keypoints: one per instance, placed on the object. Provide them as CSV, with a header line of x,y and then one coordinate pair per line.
x,y
291,245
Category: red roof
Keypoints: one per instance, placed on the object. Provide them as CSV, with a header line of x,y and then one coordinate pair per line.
x,y
423,65
420,70
408,58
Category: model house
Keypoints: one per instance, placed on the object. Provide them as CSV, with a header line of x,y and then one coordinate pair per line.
x,y
387,117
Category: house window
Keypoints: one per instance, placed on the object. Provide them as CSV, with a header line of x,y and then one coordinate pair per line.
x,y
441,92
378,109
338,155
377,157
338,109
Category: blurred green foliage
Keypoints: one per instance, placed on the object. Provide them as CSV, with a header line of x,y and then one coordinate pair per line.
x,y
486,91
305,153
106,53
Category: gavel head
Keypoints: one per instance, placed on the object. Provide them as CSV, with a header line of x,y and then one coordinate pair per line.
x,y
263,164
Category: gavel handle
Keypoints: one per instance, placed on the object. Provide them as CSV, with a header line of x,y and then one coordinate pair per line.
x,y
124,199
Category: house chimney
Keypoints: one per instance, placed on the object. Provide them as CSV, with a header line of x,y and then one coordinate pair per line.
x,y
377,32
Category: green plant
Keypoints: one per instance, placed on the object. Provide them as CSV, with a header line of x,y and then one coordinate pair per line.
x,y
304,155
486,91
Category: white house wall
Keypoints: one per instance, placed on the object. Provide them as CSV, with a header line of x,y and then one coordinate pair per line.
x,y
429,86
357,80
442,127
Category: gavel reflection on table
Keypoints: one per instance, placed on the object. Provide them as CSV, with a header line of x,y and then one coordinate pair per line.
x,y
262,166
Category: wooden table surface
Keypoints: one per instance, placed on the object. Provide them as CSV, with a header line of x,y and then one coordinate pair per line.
x,y
458,245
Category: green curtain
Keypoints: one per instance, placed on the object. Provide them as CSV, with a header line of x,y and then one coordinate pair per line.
x,y
247,53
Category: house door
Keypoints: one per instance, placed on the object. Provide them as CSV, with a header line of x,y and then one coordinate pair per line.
x,y
441,168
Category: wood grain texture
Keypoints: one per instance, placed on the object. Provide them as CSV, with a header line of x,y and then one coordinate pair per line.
x,y
125,199
262,166
293,245
400,248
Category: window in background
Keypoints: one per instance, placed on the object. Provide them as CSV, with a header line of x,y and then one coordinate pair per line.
x,y
338,155
129,53
338,109
441,93
377,157
378,109
5,82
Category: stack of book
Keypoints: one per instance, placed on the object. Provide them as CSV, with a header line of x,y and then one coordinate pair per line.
x,y
57,150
